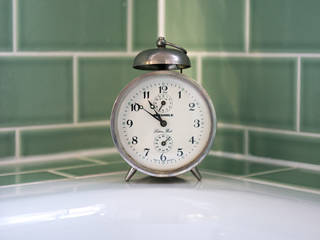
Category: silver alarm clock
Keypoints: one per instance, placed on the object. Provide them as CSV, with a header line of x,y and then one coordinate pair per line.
x,y
163,123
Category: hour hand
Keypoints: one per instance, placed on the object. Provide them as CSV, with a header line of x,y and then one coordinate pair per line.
x,y
151,105
153,115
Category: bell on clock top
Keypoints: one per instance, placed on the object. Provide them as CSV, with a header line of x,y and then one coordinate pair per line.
x,y
162,58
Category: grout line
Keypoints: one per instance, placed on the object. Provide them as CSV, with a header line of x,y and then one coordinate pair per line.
x,y
246,142
129,25
268,172
298,94
264,182
247,25
14,26
49,169
57,156
270,161
58,126
61,174
268,130
199,70
161,18
92,160
17,143
33,183
68,54
75,89
134,53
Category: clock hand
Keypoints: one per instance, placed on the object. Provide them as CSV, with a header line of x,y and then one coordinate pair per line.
x,y
163,143
163,123
157,116
162,104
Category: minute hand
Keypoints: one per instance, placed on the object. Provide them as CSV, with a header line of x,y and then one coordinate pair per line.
x,y
153,115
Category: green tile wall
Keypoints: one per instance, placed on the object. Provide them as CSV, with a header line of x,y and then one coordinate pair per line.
x,y
100,81
72,25
310,95
212,25
62,64
5,25
144,25
229,140
288,147
35,90
285,25
252,91
7,144
40,142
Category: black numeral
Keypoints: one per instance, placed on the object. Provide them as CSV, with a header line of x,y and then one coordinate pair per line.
x,y
129,123
163,88
146,151
146,94
163,157
179,94
134,140
180,152
192,140
196,123
136,107
192,106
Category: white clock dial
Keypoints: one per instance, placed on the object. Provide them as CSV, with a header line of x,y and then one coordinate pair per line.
x,y
163,123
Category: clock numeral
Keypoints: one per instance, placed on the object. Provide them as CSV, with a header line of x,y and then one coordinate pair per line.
x,y
129,123
163,157
179,94
146,94
180,152
136,107
192,140
163,89
192,106
146,151
196,123
134,140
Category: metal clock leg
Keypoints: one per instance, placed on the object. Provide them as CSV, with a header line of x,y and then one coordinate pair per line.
x,y
196,173
130,173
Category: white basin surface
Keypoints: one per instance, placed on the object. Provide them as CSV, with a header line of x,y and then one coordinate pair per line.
x,y
147,208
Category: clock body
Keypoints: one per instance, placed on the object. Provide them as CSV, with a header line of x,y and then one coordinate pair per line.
x,y
163,123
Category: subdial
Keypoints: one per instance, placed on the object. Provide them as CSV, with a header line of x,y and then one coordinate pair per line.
x,y
163,143
163,103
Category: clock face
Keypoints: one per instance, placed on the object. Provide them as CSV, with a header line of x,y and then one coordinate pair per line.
x,y
163,123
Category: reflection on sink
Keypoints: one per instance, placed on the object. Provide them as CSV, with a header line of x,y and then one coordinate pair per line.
x,y
149,208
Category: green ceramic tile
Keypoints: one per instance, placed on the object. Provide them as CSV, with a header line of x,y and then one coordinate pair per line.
x,y
72,25
108,158
144,24
7,144
215,25
252,91
5,25
34,142
28,178
99,169
298,177
35,90
100,81
234,167
42,165
229,140
286,25
288,147
310,95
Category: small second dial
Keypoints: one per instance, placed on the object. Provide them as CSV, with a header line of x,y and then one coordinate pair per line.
x,y
163,143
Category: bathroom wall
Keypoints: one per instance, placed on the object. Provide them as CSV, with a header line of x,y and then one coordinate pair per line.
x,y
62,64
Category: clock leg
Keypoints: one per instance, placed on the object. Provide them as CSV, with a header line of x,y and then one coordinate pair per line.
x,y
130,173
196,173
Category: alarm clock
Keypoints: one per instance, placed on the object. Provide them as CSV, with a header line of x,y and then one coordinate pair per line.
x,y
163,123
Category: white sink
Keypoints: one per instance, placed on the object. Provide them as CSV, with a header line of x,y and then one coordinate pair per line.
x,y
147,208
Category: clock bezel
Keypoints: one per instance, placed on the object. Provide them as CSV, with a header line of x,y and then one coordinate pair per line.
x,y
135,164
